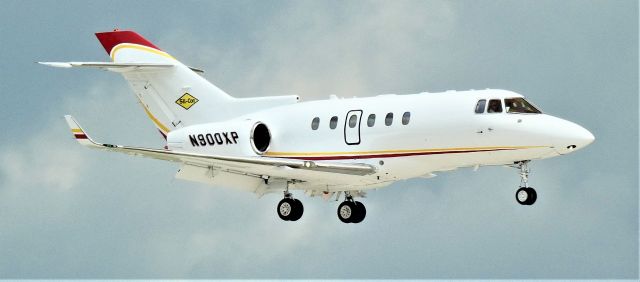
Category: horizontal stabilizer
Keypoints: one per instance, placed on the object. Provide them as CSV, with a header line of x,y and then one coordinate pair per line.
x,y
112,66
117,67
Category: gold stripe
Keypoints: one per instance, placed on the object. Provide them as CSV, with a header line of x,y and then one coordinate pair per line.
x,y
312,154
155,120
75,130
138,47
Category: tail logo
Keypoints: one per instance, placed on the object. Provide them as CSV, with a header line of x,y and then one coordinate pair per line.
x,y
186,101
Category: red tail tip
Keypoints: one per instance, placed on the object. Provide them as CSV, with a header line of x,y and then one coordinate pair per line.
x,y
110,39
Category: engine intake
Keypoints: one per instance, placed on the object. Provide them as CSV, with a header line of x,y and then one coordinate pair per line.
x,y
260,138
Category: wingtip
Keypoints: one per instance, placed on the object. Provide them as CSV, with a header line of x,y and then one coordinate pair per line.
x,y
77,131
71,122
56,64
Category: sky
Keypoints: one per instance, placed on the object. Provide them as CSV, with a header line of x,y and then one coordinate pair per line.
x,y
70,212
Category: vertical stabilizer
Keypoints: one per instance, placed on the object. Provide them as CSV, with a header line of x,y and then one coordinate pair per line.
x,y
173,97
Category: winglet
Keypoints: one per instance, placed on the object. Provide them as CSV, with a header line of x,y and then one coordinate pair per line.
x,y
79,133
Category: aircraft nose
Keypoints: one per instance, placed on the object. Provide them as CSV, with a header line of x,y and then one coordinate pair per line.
x,y
575,137
587,137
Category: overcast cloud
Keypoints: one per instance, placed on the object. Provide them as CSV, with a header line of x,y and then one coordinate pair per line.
x,y
68,212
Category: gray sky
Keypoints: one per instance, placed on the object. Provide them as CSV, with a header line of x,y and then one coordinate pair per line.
x,y
69,212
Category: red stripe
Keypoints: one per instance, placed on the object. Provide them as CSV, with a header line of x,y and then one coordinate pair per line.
x,y
112,38
375,156
81,136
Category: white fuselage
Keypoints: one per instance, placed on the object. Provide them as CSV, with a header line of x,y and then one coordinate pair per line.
x,y
442,132
335,146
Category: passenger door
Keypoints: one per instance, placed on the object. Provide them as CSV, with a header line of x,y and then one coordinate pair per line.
x,y
352,127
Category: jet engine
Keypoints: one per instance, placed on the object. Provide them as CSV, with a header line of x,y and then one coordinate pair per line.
x,y
240,138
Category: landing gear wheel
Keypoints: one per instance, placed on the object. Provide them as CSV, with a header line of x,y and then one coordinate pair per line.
x,y
346,211
298,210
286,209
522,195
526,196
534,196
361,212
290,209
351,211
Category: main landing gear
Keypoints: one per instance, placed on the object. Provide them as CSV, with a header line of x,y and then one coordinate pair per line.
x,y
525,195
290,209
351,211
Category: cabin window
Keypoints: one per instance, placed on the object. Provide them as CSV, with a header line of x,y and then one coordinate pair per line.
x,y
388,120
353,120
495,106
405,118
519,106
371,121
480,106
333,123
315,123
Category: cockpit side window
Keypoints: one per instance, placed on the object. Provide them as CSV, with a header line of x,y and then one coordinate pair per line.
x,y
480,106
495,106
519,106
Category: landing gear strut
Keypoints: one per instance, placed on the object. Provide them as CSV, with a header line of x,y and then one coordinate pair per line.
x,y
290,209
351,211
525,195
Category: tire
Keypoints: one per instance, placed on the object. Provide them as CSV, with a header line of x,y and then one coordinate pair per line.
x,y
523,195
533,196
298,210
346,211
361,212
286,208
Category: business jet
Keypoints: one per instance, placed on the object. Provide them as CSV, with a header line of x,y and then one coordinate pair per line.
x,y
328,148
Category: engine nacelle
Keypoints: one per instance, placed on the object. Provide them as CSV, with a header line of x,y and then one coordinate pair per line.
x,y
240,138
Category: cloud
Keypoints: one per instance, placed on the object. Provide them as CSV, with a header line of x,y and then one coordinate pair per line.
x,y
51,158
349,50
52,164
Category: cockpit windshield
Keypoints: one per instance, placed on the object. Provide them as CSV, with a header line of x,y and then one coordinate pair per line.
x,y
519,106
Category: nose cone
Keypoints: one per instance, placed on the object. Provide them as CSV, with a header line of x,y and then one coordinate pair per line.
x,y
587,137
574,137
581,136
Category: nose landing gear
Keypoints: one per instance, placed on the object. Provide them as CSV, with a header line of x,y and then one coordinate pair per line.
x,y
351,211
525,195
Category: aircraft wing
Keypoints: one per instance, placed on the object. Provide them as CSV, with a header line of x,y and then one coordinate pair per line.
x,y
256,166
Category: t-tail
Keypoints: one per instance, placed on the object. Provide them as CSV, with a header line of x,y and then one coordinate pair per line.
x,y
172,94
